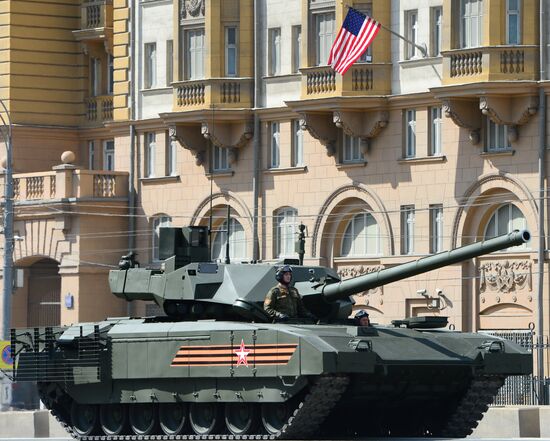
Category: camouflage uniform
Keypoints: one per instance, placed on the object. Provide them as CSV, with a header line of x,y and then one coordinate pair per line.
x,y
281,301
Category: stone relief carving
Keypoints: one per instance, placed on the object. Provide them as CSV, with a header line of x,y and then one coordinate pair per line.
x,y
194,8
506,276
355,271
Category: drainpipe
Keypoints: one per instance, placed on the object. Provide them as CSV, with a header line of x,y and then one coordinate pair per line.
x,y
541,200
256,139
132,171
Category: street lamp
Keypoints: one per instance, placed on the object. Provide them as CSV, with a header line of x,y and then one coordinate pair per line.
x,y
8,223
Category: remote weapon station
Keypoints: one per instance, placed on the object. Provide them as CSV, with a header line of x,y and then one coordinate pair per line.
x,y
217,367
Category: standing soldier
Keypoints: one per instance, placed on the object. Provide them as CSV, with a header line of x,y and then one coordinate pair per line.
x,y
283,301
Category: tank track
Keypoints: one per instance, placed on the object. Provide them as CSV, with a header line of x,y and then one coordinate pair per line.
x,y
304,422
474,404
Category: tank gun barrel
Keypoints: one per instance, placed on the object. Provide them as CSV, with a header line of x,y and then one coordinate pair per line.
x,y
346,288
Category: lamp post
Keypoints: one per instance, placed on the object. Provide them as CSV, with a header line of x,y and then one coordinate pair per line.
x,y
8,223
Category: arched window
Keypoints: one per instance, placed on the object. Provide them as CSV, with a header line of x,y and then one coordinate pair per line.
x,y
286,228
158,222
362,236
505,219
237,241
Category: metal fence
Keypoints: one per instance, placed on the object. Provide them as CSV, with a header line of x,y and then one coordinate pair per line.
x,y
523,389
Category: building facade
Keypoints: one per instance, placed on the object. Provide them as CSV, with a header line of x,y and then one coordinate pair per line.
x,y
175,110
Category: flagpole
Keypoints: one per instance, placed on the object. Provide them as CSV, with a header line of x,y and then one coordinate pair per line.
x,y
422,49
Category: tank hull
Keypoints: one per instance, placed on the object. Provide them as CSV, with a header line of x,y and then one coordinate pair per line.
x,y
397,371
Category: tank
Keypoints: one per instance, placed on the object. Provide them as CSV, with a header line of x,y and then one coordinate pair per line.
x,y
215,366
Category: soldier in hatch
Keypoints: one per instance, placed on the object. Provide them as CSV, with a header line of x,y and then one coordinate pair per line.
x,y
283,301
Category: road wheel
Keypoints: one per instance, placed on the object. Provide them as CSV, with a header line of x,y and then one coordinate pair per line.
x,y
241,418
84,418
173,418
114,419
143,419
275,416
206,418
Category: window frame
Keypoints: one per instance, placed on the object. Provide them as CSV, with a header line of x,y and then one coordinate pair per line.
x,y
274,144
159,221
407,229
411,30
109,154
220,159
171,156
274,51
110,74
95,76
410,133
296,48
501,132
297,144
436,20
518,13
149,65
436,130
436,228
354,237
191,71
495,214
169,62
231,46
91,155
465,25
150,139
351,149
285,218
326,39
233,241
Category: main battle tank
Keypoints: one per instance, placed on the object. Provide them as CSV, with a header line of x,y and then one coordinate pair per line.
x,y
216,367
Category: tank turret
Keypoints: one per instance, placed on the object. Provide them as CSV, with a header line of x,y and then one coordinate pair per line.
x,y
190,286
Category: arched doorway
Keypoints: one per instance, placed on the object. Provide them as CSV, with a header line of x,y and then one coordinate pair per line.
x,y
44,293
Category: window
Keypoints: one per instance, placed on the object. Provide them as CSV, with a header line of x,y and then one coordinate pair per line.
x,y
194,54
505,219
513,22
95,76
221,160
496,137
110,76
471,22
411,23
362,236
231,51
286,227
297,144
436,122
351,149
150,147
169,62
436,17
91,155
366,57
436,228
150,65
109,155
237,241
171,156
296,48
324,27
158,223
275,145
410,133
407,229
275,51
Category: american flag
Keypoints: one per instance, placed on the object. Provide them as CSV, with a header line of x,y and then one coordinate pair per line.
x,y
352,41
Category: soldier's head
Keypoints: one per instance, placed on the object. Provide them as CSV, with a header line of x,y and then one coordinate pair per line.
x,y
362,318
284,275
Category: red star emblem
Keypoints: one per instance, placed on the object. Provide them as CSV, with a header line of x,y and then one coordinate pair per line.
x,y
242,353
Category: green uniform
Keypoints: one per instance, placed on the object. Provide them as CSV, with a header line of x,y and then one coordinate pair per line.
x,y
281,300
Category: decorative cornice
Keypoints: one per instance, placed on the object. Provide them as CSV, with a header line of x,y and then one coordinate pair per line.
x,y
321,128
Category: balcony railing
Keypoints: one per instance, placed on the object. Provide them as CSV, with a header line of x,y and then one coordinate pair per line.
x,y
70,183
360,79
223,92
96,20
99,109
491,63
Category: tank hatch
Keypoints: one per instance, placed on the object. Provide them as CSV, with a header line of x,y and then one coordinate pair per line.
x,y
424,322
